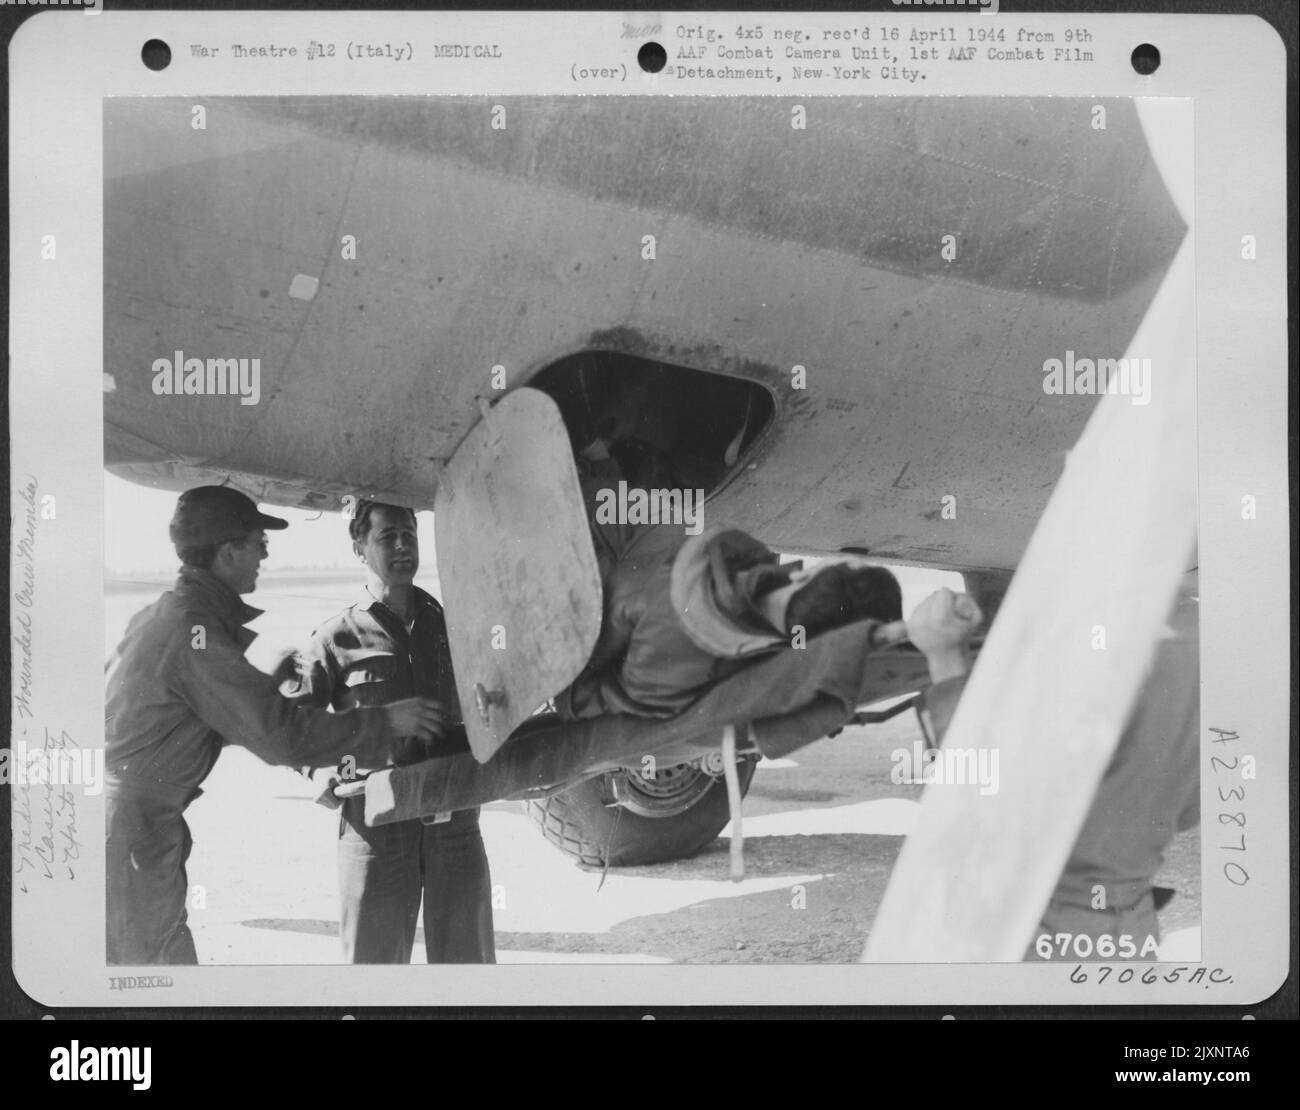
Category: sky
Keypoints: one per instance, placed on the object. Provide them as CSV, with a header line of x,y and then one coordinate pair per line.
x,y
136,543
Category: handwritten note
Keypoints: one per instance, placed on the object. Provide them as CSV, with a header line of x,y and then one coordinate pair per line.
x,y
47,843
24,571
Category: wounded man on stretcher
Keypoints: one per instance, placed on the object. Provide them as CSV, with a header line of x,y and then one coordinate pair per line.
x,y
701,633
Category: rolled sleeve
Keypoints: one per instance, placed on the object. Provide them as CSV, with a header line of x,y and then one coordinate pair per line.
x,y
318,671
317,675
245,707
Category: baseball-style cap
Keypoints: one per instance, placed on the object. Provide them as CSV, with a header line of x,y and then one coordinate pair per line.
x,y
215,514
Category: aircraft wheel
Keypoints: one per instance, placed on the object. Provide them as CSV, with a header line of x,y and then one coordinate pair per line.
x,y
670,816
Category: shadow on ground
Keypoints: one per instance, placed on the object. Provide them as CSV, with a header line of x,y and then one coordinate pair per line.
x,y
823,919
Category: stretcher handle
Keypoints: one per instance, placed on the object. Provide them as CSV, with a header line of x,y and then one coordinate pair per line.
x,y
352,788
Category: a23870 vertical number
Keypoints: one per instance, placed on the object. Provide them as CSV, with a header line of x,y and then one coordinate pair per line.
x,y
1233,823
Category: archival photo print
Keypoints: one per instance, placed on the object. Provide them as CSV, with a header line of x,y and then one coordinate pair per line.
x,y
629,530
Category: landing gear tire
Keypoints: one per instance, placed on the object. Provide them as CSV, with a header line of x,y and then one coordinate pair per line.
x,y
671,816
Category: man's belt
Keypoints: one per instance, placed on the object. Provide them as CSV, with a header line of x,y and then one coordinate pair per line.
x,y
121,783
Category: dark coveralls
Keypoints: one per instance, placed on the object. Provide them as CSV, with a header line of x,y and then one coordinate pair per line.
x,y
365,656
178,687
1150,791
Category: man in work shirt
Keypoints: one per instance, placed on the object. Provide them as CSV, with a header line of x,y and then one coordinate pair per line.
x,y
178,687
392,642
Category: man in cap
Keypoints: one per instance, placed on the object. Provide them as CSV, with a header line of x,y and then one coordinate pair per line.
x,y
178,688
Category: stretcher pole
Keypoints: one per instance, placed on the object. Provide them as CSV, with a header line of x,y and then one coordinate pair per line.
x,y
736,854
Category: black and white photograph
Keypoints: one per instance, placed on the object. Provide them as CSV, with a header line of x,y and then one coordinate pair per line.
x,y
718,336
763,525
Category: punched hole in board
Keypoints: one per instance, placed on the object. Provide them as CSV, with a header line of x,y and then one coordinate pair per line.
x,y
1146,59
652,57
156,54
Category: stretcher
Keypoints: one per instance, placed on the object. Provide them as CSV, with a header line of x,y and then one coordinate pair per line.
x,y
785,700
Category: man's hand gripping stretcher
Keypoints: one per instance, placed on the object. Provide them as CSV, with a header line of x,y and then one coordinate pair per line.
x,y
689,648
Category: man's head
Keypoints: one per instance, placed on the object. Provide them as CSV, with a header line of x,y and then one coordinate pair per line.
x,y
385,539
220,530
839,592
